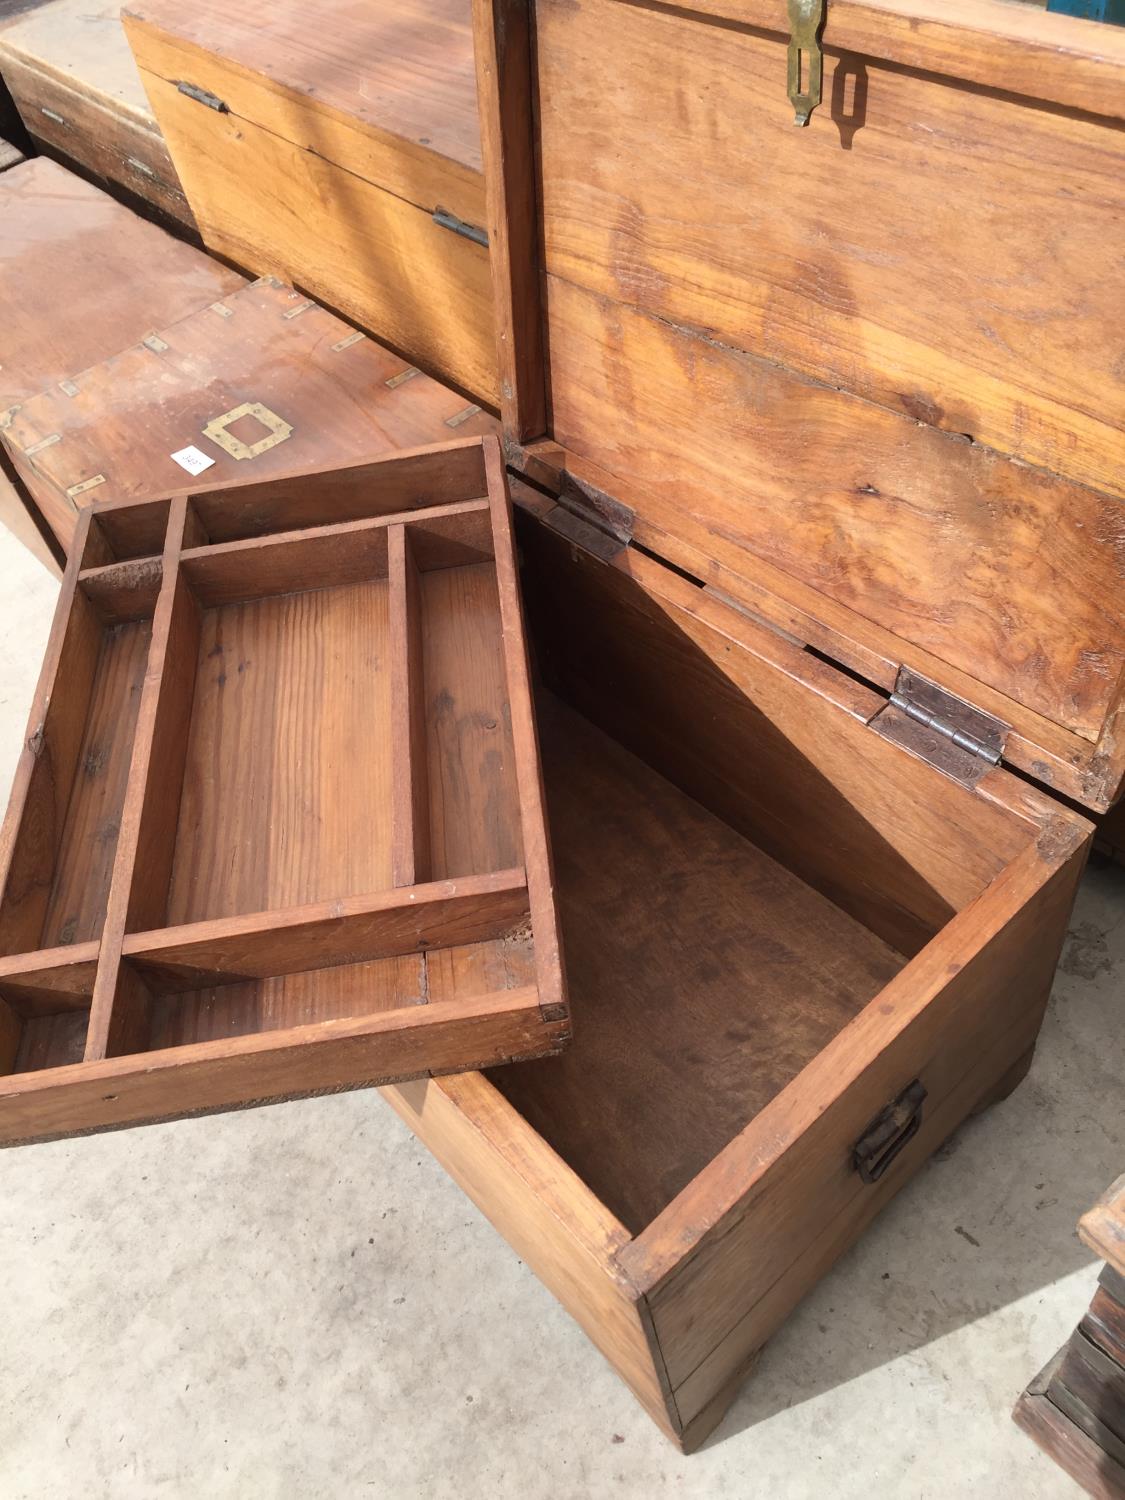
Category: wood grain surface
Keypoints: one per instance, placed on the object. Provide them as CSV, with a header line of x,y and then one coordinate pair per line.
x,y
127,275
340,394
72,76
368,122
231,871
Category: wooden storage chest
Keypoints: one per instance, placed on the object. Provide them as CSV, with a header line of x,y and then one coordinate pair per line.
x,y
796,632
72,77
339,148
1075,1407
260,382
823,543
278,826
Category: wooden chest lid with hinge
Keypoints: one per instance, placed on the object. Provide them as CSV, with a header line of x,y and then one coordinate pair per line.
x,y
865,377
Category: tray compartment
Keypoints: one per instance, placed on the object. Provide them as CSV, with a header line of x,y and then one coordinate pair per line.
x,y
273,919
64,819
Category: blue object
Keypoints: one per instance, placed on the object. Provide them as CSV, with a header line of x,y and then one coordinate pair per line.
x,y
1112,11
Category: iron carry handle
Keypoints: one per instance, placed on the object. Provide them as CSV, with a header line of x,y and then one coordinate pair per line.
x,y
889,1132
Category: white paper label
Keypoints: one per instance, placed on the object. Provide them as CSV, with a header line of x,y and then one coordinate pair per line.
x,y
193,460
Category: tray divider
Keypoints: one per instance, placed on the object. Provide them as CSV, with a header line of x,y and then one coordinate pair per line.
x,y
119,1013
324,934
410,792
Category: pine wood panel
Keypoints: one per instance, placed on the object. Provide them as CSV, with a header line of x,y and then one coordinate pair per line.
x,y
89,836
258,777
941,256
378,256
470,753
396,69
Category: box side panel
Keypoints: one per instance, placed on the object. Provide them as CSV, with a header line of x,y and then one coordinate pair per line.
x,y
961,1020
544,1212
376,256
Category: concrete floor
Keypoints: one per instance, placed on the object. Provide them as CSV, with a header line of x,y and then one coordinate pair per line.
x,y
296,1302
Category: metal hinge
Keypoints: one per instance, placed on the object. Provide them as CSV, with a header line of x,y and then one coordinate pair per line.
x,y
445,220
930,722
203,96
590,518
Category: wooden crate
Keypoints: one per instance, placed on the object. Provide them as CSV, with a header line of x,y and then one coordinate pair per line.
x,y
260,382
73,79
339,148
1075,1407
830,422
278,827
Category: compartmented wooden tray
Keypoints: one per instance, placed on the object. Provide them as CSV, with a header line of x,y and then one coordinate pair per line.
x,y
278,827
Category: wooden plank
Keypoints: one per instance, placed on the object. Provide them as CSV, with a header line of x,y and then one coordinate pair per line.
x,y
10,156
349,552
329,1055
503,33
127,275
941,259
469,730
537,852
33,826
399,75
326,397
19,516
11,1032
767,1197
72,76
1104,1322
976,561
1021,50
413,478
123,591
352,929
1093,1383
1103,1227
381,260
410,812
287,564
1075,1451
119,1007
545,1212
50,980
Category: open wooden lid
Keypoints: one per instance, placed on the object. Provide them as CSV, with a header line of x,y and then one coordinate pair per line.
x,y
278,826
864,376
